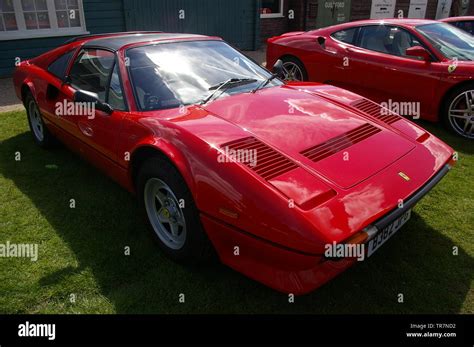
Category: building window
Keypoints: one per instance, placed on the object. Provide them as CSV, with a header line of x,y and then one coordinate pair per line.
x,y
7,16
271,9
22,19
64,9
35,14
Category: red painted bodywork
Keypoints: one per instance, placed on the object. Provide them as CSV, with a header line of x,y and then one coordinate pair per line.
x,y
457,19
334,199
377,76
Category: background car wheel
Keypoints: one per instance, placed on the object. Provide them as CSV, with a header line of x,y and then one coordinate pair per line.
x,y
294,69
38,129
458,111
171,212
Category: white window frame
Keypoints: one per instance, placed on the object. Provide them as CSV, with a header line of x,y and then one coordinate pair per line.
x,y
54,30
274,15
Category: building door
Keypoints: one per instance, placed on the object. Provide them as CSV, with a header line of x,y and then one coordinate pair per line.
x,y
236,21
331,12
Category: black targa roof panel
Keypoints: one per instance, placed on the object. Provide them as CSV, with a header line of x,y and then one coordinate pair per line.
x,y
117,42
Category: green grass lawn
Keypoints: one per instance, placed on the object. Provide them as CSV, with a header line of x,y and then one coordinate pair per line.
x,y
81,250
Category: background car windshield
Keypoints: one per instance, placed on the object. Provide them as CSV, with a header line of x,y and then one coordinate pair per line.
x,y
168,75
449,40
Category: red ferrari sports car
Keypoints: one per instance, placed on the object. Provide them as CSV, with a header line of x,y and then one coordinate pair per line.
x,y
465,23
415,67
283,181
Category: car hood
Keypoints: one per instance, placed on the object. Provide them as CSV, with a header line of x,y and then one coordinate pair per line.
x,y
328,139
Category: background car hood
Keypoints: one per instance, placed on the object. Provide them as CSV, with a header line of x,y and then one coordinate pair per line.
x,y
321,136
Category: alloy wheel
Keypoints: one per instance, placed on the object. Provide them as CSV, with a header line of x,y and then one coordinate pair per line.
x,y
461,114
292,72
35,121
165,214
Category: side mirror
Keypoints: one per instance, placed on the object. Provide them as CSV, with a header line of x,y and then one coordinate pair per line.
x,y
90,97
278,69
418,52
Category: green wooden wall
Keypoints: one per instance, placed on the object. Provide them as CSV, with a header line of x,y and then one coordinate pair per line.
x,y
237,21
101,16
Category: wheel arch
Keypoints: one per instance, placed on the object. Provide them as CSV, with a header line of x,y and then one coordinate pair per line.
x,y
27,87
294,57
166,151
289,55
447,93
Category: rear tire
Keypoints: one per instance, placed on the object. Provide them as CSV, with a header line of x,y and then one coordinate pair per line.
x,y
40,132
457,111
163,193
294,69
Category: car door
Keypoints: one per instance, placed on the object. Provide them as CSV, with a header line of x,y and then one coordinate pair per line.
x,y
97,71
346,62
58,94
393,76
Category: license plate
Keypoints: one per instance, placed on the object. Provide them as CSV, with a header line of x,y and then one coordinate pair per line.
x,y
382,236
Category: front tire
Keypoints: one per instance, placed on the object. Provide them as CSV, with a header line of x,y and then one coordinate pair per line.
x,y
171,212
41,135
294,69
457,111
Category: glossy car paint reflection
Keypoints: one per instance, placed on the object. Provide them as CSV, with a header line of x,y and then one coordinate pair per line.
x,y
280,246
376,75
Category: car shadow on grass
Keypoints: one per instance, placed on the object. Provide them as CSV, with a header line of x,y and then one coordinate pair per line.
x,y
417,262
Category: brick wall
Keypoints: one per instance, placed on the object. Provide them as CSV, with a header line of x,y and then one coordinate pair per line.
x,y
311,14
360,9
275,26
298,22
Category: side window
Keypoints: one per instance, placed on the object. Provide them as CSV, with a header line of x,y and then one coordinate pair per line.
x,y
91,71
59,66
386,39
401,41
346,35
115,97
375,38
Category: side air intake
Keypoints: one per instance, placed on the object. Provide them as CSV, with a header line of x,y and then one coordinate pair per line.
x,y
260,158
341,142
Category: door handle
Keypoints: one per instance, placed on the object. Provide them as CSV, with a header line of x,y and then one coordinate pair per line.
x,y
86,129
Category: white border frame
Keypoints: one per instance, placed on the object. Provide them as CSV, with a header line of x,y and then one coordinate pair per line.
x,y
274,15
23,33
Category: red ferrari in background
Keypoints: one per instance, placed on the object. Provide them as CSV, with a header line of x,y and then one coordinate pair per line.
x,y
222,154
422,68
465,23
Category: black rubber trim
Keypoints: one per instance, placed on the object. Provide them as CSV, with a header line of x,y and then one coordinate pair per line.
x,y
412,200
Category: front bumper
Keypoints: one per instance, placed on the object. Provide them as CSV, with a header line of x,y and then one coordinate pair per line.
x,y
288,270
408,204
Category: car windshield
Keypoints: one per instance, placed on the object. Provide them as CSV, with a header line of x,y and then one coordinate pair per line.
x,y
450,41
169,75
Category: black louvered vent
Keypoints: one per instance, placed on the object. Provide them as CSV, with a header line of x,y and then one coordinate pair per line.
x,y
340,142
377,111
266,162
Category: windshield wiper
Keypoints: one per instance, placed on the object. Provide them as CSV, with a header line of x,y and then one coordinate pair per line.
x,y
230,83
264,83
